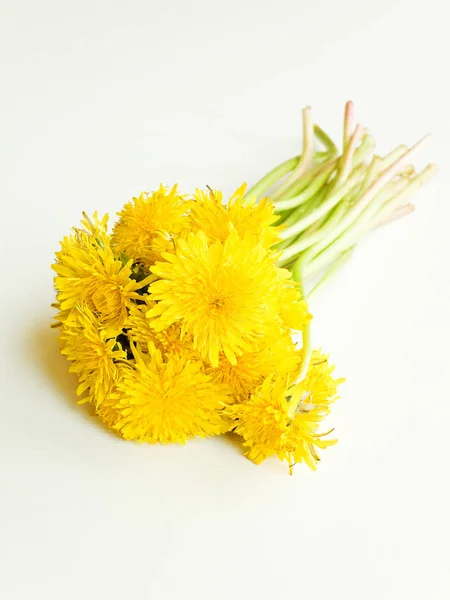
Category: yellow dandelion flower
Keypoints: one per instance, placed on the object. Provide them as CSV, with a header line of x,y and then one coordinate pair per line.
x,y
107,411
312,397
95,226
146,225
94,356
300,441
137,326
277,355
168,400
262,420
221,293
169,340
281,356
209,214
270,427
318,390
254,218
292,307
89,273
242,378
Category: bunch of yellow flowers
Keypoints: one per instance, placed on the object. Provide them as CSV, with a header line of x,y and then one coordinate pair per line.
x,y
181,321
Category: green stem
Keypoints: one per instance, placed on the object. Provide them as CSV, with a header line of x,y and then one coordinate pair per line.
x,y
360,206
393,204
306,159
307,351
369,219
363,150
296,215
331,272
345,166
297,275
325,139
307,347
310,238
303,209
302,183
272,177
349,117
326,203
309,192
325,207
306,360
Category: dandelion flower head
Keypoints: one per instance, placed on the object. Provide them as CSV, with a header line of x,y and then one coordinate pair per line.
x,y
148,224
220,292
168,400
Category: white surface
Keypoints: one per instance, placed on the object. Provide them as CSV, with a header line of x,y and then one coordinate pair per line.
x,y
101,100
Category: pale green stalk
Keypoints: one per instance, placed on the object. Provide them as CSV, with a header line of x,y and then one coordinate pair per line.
x,y
302,183
345,166
296,215
360,227
325,139
329,203
331,272
318,231
305,162
403,211
353,213
311,237
349,118
309,192
363,150
360,155
298,212
396,203
272,177
306,343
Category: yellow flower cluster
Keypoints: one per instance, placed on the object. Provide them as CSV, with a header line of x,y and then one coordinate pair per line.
x,y
179,324
182,321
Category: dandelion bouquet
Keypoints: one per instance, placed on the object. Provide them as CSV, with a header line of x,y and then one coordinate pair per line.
x,y
183,320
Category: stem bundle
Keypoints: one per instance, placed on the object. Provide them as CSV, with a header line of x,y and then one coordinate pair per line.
x,y
327,201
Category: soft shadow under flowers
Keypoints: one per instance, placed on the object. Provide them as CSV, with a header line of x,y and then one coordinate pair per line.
x,y
43,347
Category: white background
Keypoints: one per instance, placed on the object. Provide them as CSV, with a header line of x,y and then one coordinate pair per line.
x,y
101,100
